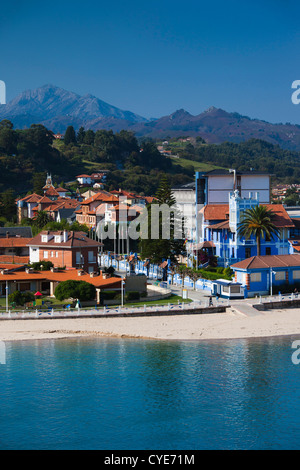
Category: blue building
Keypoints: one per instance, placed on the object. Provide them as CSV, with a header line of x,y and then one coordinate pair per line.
x,y
219,230
262,274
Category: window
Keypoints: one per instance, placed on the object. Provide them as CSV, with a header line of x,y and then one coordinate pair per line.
x,y
255,277
45,254
91,257
296,274
268,250
24,286
44,238
280,276
247,252
235,289
51,254
56,254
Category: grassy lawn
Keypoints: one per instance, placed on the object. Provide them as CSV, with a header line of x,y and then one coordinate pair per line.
x,y
198,166
173,299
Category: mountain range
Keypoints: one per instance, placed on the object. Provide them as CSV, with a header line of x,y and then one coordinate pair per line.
x,y
57,109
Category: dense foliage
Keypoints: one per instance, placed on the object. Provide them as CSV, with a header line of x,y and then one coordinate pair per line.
x,y
75,289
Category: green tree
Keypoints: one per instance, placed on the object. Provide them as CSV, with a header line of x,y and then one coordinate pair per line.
x,y
70,136
258,223
38,182
167,243
76,290
8,205
80,135
41,219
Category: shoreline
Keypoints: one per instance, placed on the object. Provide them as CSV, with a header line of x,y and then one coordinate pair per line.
x,y
214,326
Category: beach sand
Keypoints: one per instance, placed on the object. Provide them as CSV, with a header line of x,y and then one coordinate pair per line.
x,y
227,325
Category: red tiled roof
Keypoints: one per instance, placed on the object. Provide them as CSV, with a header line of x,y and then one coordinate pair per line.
x,y
281,217
59,276
221,212
51,192
11,259
104,197
14,242
75,239
271,261
216,212
32,198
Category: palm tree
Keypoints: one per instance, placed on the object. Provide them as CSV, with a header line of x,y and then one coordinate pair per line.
x,y
258,222
41,219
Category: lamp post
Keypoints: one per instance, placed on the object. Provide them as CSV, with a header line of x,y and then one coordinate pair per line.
x,y
6,295
122,292
271,281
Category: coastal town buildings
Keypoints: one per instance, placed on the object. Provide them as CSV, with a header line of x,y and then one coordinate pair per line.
x,y
45,282
262,274
65,249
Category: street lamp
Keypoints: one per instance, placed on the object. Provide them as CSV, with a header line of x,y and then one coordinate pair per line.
x,y
271,280
122,292
6,295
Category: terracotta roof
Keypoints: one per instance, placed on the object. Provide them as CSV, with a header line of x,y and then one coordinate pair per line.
x,y
216,212
271,261
13,242
295,244
45,200
75,239
104,197
11,266
221,212
220,225
281,217
83,176
51,192
59,276
32,198
11,259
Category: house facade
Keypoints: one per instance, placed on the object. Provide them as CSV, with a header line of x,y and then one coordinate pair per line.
x,y
262,274
218,234
65,248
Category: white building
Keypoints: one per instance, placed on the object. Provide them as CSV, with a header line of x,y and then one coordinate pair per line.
x,y
214,187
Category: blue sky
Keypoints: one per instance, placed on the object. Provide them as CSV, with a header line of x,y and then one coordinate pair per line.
x,y
158,56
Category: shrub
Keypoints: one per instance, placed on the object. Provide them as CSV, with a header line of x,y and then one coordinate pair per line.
x,y
42,265
108,294
21,298
75,289
132,296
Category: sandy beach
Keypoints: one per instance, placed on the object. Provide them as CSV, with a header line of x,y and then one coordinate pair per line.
x,y
227,325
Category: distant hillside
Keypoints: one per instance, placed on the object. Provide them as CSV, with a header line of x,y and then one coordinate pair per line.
x,y
217,126
57,109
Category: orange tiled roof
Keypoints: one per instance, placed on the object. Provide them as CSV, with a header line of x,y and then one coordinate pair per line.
x,y
11,259
14,242
216,212
60,276
221,212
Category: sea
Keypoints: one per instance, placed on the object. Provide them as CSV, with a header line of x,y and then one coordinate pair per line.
x,y
134,394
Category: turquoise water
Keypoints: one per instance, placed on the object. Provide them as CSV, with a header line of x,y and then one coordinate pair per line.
x,y
117,394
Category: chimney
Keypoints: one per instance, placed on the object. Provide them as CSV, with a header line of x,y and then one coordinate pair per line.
x,y
7,234
65,236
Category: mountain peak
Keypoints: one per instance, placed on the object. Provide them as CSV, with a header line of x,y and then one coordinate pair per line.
x,y
179,114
